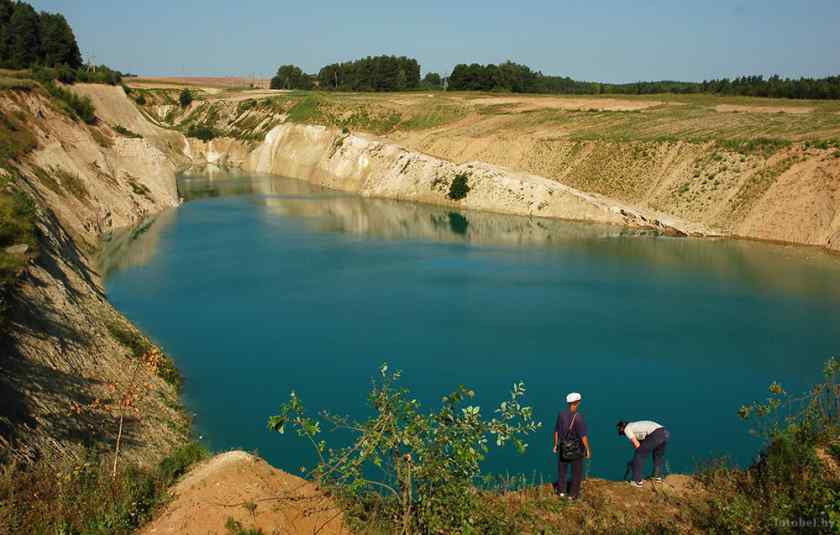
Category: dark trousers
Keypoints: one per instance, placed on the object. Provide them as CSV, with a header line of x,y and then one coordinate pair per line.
x,y
654,442
573,489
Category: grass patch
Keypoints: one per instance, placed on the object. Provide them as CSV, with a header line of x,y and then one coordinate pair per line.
x,y
762,146
130,338
17,226
80,497
15,84
16,139
306,111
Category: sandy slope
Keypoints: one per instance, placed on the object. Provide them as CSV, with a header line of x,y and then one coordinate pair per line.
x,y
224,486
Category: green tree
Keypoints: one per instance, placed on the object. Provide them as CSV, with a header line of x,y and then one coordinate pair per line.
x,y
25,43
431,80
291,77
185,98
58,44
429,461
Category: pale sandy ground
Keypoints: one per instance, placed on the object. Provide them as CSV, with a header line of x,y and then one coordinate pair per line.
x,y
221,487
525,103
762,109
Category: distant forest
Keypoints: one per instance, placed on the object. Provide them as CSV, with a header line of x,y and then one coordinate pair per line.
x,y
518,78
392,73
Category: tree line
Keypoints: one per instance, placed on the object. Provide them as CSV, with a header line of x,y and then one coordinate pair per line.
x,y
29,38
518,78
392,73
373,73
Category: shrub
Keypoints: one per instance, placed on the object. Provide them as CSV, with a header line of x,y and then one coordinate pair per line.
x,y
126,132
430,461
202,132
140,100
78,107
185,98
459,187
788,483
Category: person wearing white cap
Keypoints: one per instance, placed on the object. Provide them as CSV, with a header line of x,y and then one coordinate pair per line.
x,y
571,444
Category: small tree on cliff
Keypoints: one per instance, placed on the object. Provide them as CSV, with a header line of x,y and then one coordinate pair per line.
x,y
429,461
185,98
460,187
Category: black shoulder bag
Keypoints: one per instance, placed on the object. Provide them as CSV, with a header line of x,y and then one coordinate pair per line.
x,y
571,446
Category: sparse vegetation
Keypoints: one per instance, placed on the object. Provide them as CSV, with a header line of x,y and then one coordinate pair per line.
x,y
69,496
126,132
789,489
761,145
17,227
138,346
75,106
16,139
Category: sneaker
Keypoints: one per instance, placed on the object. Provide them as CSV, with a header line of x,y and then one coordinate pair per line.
x,y
658,479
561,494
637,484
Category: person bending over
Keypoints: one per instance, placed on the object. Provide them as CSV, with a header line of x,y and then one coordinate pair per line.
x,y
646,437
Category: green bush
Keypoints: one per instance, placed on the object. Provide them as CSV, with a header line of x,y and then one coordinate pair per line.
x,y
459,187
202,132
126,132
78,107
788,483
430,461
185,98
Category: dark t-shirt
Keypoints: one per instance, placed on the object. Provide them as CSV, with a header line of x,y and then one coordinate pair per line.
x,y
564,420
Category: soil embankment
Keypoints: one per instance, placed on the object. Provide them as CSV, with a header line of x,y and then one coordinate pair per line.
x,y
239,486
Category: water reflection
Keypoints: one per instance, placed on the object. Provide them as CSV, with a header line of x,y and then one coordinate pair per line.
x,y
766,267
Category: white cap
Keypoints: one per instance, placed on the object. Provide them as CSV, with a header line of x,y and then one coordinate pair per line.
x,y
571,398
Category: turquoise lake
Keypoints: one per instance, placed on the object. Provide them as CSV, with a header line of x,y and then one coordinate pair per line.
x,y
257,286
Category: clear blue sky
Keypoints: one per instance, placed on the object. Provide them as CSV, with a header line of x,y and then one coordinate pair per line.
x,y
601,41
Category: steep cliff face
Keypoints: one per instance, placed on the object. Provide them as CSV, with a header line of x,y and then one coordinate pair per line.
x,y
375,168
68,357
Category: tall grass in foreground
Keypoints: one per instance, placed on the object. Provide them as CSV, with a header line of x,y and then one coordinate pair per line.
x,y
80,497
